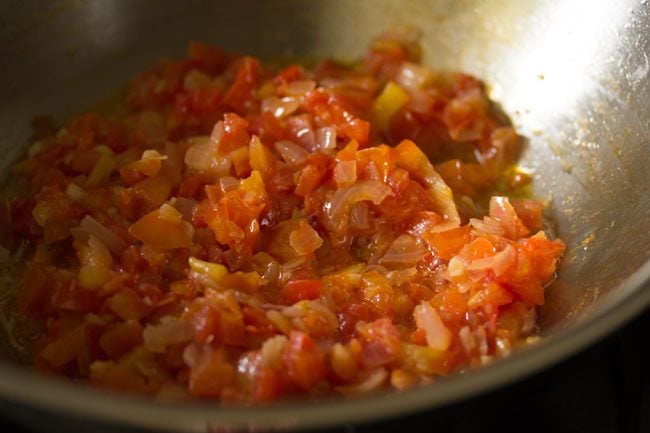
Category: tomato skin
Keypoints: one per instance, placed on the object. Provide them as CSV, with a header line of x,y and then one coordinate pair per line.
x,y
288,74
305,364
298,290
267,127
268,385
235,133
239,95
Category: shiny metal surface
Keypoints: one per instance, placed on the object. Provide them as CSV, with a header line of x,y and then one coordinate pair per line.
x,y
573,75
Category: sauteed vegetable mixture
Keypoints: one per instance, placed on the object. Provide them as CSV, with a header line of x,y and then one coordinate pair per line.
x,y
243,231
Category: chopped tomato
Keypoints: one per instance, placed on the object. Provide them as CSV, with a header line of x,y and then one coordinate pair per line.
x,y
448,243
299,290
303,360
241,231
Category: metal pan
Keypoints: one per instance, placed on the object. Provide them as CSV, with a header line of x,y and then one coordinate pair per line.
x,y
573,76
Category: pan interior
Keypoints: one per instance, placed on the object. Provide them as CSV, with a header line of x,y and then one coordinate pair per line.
x,y
573,80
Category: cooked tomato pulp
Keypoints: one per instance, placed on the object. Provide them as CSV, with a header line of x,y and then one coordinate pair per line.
x,y
240,231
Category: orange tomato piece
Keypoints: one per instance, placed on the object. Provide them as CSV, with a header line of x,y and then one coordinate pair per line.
x,y
299,290
448,243
304,362
121,338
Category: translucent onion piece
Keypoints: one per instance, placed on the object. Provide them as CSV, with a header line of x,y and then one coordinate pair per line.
x,y
504,212
75,193
498,263
326,138
374,381
304,239
488,225
360,216
171,330
421,102
291,152
299,88
170,213
345,173
406,250
363,190
199,156
101,172
228,183
280,107
272,351
105,235
427,318
412,76
217,134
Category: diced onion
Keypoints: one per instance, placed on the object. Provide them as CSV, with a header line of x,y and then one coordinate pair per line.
x,y
101,172
272,351
406,250
444,227
215,271
467,339
456,267
170,213
171,330
105,235
488,225
304,239
345,173
217,134
279,320
291,152
152,154
228,183
299,88
326,138
363,190
199,156
373,382
280,107
267,267
427,318
498,263
413,77
360,216
75,193
343,361
504,212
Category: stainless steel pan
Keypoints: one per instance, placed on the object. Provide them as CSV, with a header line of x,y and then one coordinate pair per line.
x,y
572,74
